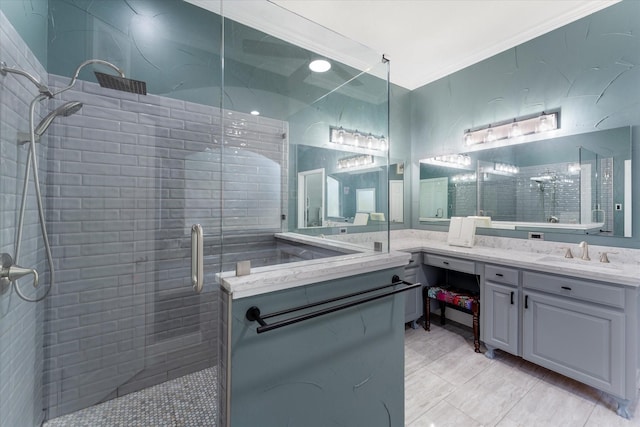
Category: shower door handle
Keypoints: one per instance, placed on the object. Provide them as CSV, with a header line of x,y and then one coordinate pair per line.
x,y
197,258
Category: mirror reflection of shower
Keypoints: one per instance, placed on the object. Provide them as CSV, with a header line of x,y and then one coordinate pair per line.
x,y
546,186
10,270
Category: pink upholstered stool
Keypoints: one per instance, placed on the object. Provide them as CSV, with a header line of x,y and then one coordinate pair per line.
x,y
456,299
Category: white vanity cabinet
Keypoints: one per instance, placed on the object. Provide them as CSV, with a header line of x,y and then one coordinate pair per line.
x,y
576,328
500,304
584,329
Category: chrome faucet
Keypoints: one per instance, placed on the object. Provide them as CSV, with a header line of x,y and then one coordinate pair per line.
x,y
604,258
585,250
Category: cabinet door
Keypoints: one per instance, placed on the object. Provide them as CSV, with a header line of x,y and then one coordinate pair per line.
x,y
500,308
413,298
412,305
582,341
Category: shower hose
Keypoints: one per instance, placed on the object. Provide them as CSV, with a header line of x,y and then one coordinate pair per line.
x,y
32,158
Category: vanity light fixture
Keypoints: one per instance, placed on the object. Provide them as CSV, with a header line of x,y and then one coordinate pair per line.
x,y
456,161
501,169
355,161
543,122
506,169
320,66
466,177
355,138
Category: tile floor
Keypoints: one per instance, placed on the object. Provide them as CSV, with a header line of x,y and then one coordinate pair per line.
x,y
446,384
189,401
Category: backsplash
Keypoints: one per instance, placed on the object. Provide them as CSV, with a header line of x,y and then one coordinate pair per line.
x,y
621,255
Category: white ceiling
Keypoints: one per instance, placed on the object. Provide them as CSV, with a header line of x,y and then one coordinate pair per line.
x,y
424,39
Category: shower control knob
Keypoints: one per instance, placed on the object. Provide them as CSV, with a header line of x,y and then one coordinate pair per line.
x,y
7,260
11,272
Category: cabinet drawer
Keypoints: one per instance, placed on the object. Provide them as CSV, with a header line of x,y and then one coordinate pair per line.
x,y
499,274
415,261
450,263
410,276
580,289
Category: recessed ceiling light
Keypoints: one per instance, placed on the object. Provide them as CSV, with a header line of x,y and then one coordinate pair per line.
x,y
255,113
320,65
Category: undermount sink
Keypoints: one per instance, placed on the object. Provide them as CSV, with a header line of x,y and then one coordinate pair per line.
x,y
576,262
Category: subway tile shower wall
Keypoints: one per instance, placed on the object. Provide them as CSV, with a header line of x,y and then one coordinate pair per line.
x,y
128,176
21,323
522,198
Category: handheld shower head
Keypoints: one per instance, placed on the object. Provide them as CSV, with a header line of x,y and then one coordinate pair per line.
x,y
64,110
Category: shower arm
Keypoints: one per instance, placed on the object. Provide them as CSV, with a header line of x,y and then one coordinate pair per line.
x,y
81,66
42,88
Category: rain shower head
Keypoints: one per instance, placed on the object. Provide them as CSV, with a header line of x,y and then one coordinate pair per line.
x,y
64,110
109,81
121,83
543,178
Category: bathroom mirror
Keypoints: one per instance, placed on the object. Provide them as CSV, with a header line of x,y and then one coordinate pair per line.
x,y
348,195
571,184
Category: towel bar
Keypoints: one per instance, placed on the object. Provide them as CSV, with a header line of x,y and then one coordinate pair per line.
x,y
253,313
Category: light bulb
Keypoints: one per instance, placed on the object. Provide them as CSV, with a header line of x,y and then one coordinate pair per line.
x,y
341,136
543,125
490,136
319,66
369,141
468,138
356,139
515,130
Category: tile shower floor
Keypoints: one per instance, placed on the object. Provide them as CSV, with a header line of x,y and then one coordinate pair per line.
x,y
186,401
446,384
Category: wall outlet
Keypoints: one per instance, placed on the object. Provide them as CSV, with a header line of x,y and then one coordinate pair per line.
x,y
536,236
343,230
618,206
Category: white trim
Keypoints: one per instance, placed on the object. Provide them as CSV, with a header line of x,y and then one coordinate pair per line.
x,y
627,198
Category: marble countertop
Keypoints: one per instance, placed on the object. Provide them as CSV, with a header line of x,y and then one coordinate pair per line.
x,y
624,268
285,276
545,258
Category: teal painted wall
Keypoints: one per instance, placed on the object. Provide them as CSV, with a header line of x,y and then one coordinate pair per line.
x,y
587,70
345,368
172,45
29,18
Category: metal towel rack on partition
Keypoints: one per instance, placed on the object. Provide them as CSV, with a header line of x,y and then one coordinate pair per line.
x,y
253,313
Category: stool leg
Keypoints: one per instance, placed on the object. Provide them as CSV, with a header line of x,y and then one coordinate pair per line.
x,y
442,306
475,308
427,310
